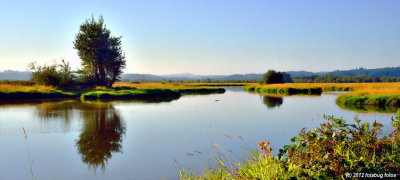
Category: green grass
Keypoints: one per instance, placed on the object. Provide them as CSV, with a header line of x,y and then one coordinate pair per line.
x,y
360,99
331,151
130,94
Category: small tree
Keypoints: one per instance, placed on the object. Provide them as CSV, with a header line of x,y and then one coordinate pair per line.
x,y
272,77
101,53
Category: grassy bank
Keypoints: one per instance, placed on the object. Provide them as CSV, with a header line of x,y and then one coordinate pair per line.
x,y
377,96
53,94
111,94
389,100
119,92
22,92
335,150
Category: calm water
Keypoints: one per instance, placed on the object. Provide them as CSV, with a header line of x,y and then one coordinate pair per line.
x,y
132,140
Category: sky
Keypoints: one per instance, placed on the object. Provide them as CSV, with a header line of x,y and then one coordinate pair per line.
x,y
209,37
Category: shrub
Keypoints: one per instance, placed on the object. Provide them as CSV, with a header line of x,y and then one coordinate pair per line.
x,y
56,75
337,148
331,151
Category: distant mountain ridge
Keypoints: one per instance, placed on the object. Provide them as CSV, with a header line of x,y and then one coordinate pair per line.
x,y
15,75
378,72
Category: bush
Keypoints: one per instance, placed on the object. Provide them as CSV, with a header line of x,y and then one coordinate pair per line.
x,y
337,148
56,75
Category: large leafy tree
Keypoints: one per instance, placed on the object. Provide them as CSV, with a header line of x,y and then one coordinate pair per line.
x,y
100,52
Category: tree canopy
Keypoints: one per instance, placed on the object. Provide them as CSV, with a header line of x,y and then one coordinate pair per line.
x,y
100,52
273,77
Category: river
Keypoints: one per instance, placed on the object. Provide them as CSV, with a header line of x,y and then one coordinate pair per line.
x,y
152,140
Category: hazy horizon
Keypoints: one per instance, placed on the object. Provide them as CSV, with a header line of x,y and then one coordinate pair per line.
x,y
210,37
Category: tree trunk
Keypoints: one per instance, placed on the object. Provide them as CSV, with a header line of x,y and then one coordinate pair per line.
x,y
103,79
96,74
109,85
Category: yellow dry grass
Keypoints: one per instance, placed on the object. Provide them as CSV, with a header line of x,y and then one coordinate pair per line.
x,y
385,88
21,88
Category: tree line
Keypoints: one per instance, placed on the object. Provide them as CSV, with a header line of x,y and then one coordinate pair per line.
x,y
343,79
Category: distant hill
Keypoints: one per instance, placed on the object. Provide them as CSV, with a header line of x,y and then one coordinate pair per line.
x,y
189,76
378,72
15,75
141,76
302,73
242,76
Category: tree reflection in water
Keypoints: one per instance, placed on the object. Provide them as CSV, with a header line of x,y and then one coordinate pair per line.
x,y
102,132
272,101
101,135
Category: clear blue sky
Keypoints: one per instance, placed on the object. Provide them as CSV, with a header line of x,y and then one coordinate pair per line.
x,y
210,36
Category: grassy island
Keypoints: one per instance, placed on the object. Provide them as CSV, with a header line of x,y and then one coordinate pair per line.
x,y
283,90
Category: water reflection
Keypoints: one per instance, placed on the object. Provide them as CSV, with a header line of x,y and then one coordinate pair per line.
x,y
272,101
56,110
101,135
102,132
369,108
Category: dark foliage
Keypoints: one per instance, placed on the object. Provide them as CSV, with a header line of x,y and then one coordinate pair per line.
x,y
343,79
272,77
56,75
